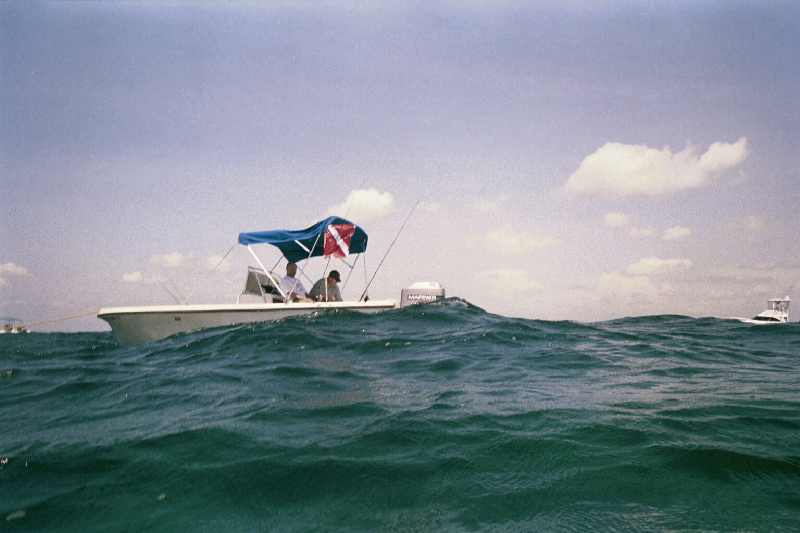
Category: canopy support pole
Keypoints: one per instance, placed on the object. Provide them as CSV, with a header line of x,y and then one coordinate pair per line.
x,y
352,267
268,273
304,247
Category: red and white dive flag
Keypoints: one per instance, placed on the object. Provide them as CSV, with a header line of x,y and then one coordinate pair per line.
x,y
337,240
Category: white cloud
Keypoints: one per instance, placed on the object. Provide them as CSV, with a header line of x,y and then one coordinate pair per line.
x,y
753,223
620,220
430,207
721,156
138,277
507,241
678,232
218,263
10,269
489,206
507,283
616,286
363,205
171,260
616,219
618,170
654,265
133,277
641,233
777,275
616,294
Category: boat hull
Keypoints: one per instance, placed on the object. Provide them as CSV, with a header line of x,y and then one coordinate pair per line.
x,y
761,322
136,325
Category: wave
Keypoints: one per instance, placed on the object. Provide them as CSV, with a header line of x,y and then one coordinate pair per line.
x,y
439,416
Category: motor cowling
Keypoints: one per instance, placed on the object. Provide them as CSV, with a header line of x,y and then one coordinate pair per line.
x,y
421,292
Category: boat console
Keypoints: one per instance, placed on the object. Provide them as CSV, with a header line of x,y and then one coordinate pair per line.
x,y
259,288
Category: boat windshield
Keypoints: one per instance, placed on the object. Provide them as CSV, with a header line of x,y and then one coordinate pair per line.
x,y
779,305
767,319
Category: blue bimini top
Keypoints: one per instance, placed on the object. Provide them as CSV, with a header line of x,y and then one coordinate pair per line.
x,y
333,236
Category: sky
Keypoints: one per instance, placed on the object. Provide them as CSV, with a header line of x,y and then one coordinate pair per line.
x,y
551,160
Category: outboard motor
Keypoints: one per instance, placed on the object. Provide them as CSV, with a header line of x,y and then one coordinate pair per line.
x,y
421,292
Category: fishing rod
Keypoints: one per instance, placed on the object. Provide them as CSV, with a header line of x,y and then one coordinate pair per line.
x,y
30,324
364,296
183,302
352,198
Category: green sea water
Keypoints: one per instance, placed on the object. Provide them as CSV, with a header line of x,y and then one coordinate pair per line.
x,y
439,417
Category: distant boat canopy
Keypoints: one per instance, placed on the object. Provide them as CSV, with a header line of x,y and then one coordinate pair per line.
x,y
332,237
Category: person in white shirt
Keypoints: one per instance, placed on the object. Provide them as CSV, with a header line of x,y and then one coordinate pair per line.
x,y
291,286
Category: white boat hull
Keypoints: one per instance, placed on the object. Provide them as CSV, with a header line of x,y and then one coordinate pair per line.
x,y
777,313
135,325
760,322
13,329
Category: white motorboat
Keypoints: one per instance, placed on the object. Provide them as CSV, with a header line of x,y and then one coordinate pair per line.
x,y
13,325
263,299
777,312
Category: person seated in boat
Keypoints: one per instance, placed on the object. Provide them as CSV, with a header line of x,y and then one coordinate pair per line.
x,y
326,289
293,287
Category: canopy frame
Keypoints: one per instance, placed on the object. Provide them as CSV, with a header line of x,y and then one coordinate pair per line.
x,y
300,245
297,246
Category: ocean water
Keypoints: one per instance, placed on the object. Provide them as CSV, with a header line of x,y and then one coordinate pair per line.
x,y
437,417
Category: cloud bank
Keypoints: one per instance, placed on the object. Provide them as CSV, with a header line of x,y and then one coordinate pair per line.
x,y
506,240
133,277
10,269
621,170
616,219
621,221
171,261
507,283
363,205
654,265
484,205
678,232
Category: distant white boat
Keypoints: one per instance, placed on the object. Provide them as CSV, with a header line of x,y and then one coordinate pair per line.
x,y
777,312
12,325
263,299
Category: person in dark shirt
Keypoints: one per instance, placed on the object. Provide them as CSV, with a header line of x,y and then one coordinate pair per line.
x,y
326,289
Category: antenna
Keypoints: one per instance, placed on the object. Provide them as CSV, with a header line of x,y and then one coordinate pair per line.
x,y
364,295
354,197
